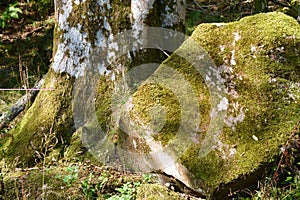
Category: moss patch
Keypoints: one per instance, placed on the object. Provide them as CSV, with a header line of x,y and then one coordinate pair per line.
x,y
156,191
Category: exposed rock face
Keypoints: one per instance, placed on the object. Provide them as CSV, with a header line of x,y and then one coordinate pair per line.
x,y
247,101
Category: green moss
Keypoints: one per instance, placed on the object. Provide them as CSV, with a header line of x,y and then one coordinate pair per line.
x,y
156,191
103,102
268,115
75,149
148,96
264,76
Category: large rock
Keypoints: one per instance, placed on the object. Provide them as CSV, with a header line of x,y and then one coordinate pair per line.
x,y
216,127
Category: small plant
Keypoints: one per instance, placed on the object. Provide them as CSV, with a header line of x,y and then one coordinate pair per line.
x,y
96,186
126,192
12,11
91,188
289,192
147,178
70,178
88,188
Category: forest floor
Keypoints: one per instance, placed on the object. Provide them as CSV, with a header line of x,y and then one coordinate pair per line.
x,y
25,56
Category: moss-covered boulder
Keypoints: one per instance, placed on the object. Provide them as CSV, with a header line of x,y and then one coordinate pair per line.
x,y
248,103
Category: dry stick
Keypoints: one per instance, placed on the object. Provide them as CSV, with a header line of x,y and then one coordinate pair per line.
x,y
23,75
55,10
18,107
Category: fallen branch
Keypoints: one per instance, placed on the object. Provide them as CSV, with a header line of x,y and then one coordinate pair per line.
x,y
17,108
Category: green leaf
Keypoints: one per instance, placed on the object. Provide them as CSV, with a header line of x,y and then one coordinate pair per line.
x,y
14,15
289,178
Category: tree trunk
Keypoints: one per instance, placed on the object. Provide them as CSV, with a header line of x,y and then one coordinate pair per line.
x,y
82,26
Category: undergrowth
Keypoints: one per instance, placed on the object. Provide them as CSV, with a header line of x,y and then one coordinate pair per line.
x,y
10,12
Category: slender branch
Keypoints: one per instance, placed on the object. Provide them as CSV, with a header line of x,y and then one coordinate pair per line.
x,y
19,106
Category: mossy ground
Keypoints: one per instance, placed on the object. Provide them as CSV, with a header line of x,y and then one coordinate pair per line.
x,y
65,180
